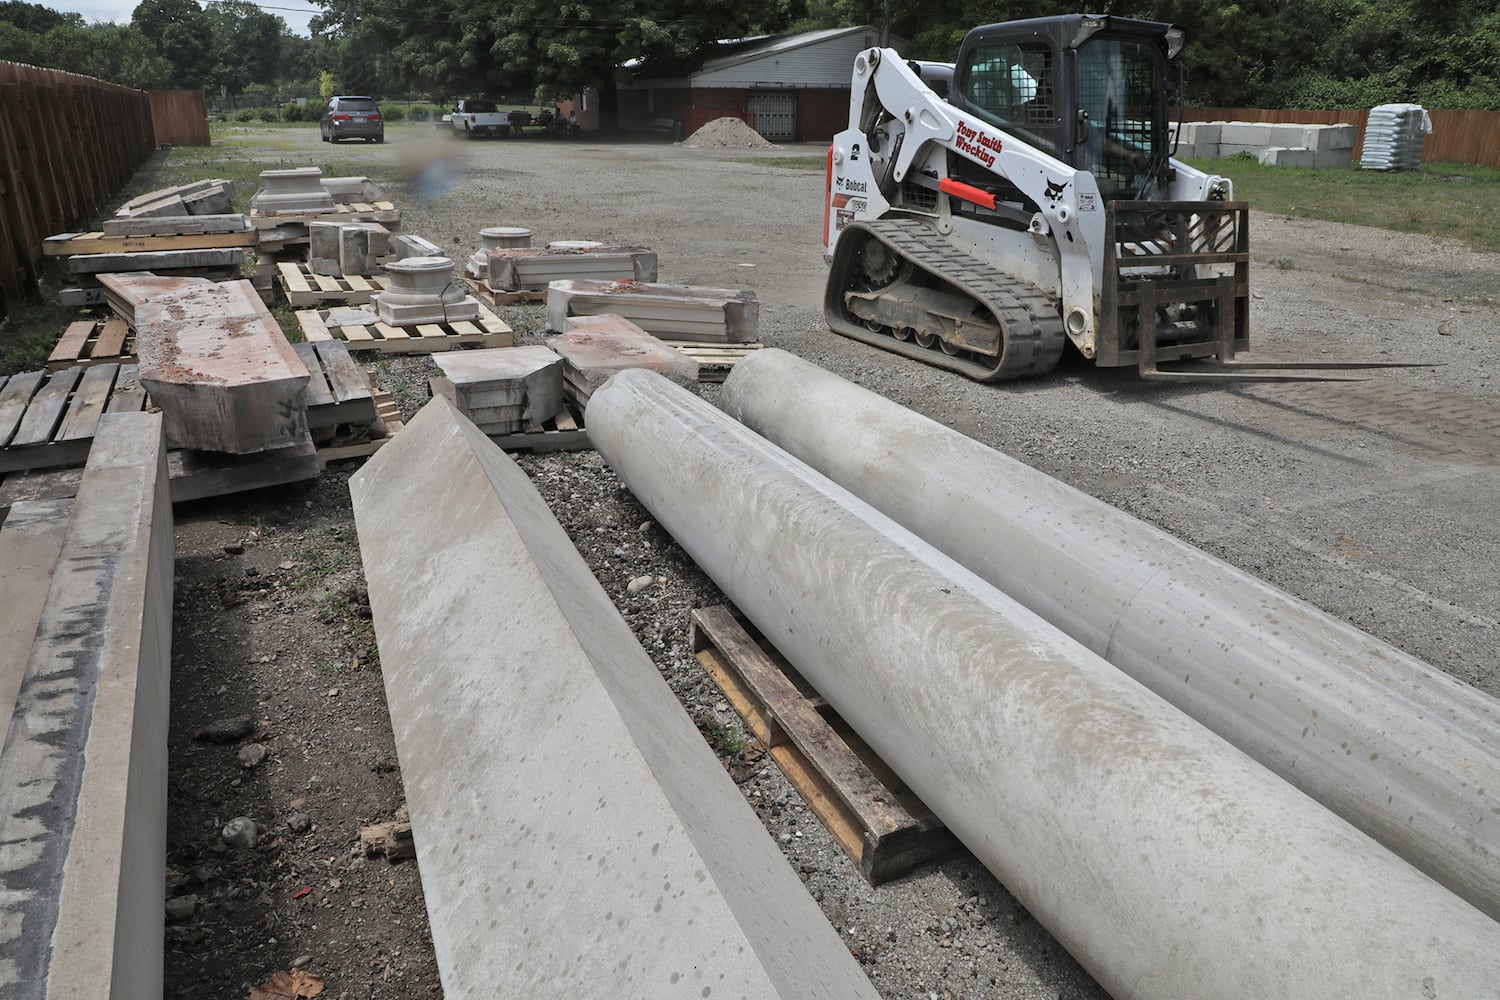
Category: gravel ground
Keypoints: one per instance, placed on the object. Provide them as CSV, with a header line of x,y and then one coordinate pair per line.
x,y
1376,501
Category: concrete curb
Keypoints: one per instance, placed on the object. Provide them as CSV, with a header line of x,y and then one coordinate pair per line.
x,y
84,769
577,837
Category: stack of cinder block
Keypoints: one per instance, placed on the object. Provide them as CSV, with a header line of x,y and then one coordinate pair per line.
x,y
672,312
503,390
595,347
1322,147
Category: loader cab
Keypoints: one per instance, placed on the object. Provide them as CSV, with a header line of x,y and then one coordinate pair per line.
x,y
1091,91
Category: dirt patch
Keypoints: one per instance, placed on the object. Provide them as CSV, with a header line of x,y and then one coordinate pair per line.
x,y
727,133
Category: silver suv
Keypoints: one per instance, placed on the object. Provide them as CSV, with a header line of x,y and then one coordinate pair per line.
x,y
352,118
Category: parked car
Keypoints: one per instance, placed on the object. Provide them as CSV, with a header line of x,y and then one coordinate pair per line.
x,y
352,118
476,118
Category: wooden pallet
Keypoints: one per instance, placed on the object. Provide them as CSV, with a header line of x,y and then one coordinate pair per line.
x,y
564,432
875,818
484,293
355,211
93,342
48,420
303,288
70,244
487,331
715,360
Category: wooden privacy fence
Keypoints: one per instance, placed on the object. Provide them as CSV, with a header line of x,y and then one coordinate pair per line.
x,y
67,144
1457,136
180,117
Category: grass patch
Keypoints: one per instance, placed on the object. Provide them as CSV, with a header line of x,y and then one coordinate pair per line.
x,y
28,335
1453,200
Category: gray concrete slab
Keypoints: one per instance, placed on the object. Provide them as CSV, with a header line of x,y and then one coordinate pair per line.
x,y
671,312
576,836
1401,750
83,770
595,347
1165,860
30,540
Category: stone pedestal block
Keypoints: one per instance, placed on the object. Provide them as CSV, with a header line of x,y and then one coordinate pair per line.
x,y
497,238
422,290
533,269
297,190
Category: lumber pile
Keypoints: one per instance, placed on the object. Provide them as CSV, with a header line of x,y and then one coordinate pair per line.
x,y
503,390
595,347
671,312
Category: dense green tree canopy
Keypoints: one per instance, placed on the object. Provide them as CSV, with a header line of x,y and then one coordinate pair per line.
x,y
1270,53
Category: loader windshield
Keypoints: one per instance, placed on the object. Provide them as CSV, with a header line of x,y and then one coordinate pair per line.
x,y
1013,85
1121,117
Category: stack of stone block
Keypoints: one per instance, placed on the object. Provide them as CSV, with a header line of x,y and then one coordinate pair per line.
x,y
208,197
340,248
595,347
503,390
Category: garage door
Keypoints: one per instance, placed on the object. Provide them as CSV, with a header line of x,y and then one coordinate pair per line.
x,y
775,115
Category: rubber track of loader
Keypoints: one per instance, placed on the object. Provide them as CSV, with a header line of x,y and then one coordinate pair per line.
x,y
1033,331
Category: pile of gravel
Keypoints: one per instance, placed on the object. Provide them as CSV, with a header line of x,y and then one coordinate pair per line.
x,y
727,133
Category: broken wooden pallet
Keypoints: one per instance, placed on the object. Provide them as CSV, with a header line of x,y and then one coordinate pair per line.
x,y
363,442
302,288
48,420
359,211
487,331
875,818
484,293
564,432
73,244
715,360
338,392
93,342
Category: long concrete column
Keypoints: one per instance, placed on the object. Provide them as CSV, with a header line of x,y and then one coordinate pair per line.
x,y
1165,860
1401,750
576,835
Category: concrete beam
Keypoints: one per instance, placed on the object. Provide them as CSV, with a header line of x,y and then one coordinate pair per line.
x,y
1169,863
84,767
1401,750
577,837
671,312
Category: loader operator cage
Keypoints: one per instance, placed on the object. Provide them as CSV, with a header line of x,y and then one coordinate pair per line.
x,y
1090,91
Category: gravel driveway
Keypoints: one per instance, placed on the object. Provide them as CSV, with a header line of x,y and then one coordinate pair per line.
x,y
1375,500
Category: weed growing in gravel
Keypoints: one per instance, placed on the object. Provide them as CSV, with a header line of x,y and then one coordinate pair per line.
x,y
725,741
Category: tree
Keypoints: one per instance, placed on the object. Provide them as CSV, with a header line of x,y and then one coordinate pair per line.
x,y
183,35
247,45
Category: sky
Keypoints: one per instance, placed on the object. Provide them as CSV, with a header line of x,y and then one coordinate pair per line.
x,y
296,13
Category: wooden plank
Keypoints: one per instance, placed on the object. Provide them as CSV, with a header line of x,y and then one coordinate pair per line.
x,y
88,403
312,326
292,279
69,346
46,409
357,335
111,339
89,243
466,329
344,376
430,330
389,333
14,400
328,283
880,823
317,392
129,395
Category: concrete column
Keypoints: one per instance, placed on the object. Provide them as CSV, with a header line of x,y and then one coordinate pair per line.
x,y
1166,861
576,835
1401,750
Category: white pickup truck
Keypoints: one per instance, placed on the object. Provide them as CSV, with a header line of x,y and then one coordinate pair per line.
x,y
472,119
